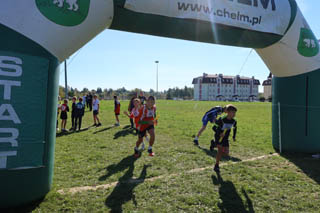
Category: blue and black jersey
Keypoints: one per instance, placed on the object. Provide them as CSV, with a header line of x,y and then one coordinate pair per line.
x,y
211,115
79,109
222,124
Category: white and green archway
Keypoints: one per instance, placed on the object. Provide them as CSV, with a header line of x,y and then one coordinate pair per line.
x,y
36,35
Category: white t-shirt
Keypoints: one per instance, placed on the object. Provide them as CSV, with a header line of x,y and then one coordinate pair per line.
x,y
95,104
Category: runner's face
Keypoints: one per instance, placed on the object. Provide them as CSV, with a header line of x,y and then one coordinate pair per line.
x,y
136,104
231,114
150,103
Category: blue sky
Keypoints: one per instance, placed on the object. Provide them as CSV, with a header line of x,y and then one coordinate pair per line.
x,y
117,59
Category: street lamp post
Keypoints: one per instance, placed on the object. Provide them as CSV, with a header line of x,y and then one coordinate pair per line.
x,y
157,62
66,81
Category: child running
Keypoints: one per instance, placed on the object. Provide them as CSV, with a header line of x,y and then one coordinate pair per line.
x,y
78,114
96,108
211,116
222,132
147,120
64,115
116,110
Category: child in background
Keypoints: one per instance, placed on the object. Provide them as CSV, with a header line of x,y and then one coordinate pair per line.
x,y
211,116
130,107
64,115
84,101
79,113
222,129
73,112
58,111
96,109
116,110
146,124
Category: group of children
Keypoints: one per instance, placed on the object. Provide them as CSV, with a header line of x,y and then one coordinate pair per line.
x,y
143,118
222,128
77,112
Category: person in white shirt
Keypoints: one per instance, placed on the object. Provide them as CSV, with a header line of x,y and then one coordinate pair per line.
x,y
96,108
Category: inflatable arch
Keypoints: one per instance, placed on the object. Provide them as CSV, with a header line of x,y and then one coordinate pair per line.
x,y
37,35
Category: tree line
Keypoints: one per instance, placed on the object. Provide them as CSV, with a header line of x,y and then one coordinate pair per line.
x,y
185,93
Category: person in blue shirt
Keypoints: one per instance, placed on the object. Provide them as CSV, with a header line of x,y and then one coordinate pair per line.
x,y
79,112
211,116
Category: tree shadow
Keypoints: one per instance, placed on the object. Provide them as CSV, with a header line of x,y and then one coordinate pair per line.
x,y
104,129
124,132
308,164
215,152
231,200
124,191
24,208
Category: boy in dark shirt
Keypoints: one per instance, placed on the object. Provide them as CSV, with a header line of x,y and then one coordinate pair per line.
x,y
211,116
78,114
73,112
222,130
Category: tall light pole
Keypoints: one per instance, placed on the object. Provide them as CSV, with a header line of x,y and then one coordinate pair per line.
x,y
157,62
65,79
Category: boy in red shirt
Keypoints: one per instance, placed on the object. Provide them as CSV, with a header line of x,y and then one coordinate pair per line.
x,y
146,123
116,110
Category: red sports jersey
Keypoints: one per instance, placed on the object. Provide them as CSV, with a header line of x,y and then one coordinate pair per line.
x,y
135,113
146,115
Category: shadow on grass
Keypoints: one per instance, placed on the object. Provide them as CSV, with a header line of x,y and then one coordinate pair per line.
x,y
125,163
124,132
310,166
104,129
72,132
24,208
214,154
231,200
123,192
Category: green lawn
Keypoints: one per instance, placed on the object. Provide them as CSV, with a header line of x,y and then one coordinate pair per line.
x,y
172,181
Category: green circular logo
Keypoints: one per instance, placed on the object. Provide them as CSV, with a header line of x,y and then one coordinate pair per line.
x,y
64,12
308,45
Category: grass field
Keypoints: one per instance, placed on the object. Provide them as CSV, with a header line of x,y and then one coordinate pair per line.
x,y
179,178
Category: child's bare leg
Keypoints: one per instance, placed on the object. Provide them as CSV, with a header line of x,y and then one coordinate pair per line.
x,y
139,141
64,124
117,118
219,155
97,119
94,119
152,137
201,130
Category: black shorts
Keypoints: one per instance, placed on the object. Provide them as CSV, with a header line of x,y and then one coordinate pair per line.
x,y
63,116
95,112
224,143
141,134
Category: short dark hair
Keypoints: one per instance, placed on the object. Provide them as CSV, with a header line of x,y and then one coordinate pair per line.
x,y
115,96
151,98
231,108
80,99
